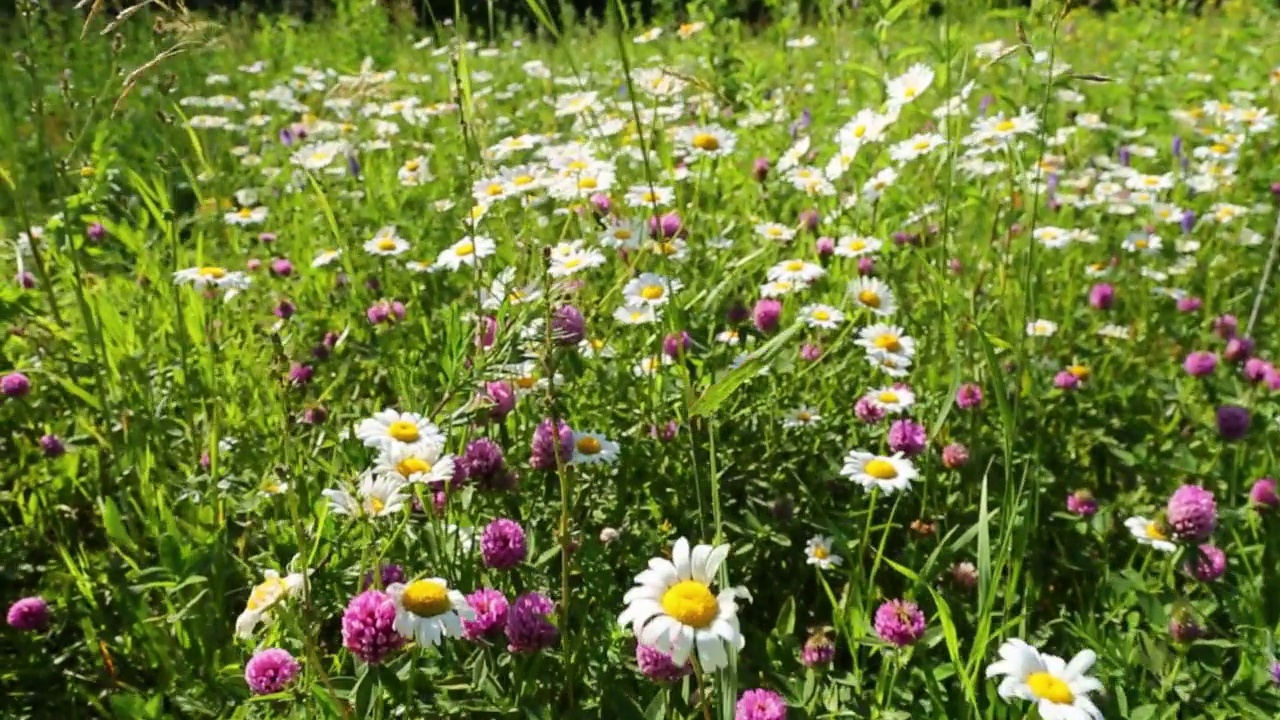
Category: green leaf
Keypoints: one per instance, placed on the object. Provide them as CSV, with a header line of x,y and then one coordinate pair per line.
x,y
713,397
786,624
114,523
363,692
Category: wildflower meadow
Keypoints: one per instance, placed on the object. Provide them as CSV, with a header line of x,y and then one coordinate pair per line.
x,y
886,360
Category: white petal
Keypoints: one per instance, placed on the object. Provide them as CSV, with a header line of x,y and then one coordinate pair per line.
x,y
711,652
681,644
698,563
656,630
1085,704
716,559
666,569
638,612
680,558
1080,664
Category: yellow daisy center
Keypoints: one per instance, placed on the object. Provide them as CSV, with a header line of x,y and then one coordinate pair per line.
x,y
774,231
386,244
413,465
1155,533
666,248
412,166
857,245
921,145
1079,371
651,292
588,183
523,179
821,315
493,190
403,430
245,213
216,273
465,248
691,603
376,506
622,234
87,172
869,298
888,397
859,131
706,141
1141,244
1047,687
888,342
426,598
526,382
804,416
1004,126
794,266
909,92
588,445
577,165
881,469
822,553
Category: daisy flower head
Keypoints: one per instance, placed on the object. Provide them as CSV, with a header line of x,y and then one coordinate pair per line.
x,y
775,231
886,339
466,252
575,261
386,243
389,428
818,551
889,473
893,399
821,316
801,417
376,496
650,289
246,216
706,140
428,610
1041,328
266,595
1151,533
325,257
419,462
634,314
874,295
590,448
857,245
672,607
1059,688
909,85
795,270
212,276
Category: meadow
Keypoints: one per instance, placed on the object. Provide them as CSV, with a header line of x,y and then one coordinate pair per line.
x,y
886,367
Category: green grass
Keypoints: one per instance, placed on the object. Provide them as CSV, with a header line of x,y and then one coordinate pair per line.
x,y
194,463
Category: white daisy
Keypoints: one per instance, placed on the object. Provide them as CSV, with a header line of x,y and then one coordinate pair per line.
x,y
465,252
673,609
888,339
212,276
873,294
821,316
909,86
386,243
376,496
892,400
890,473
419,462
801,417
590,448
650,289
635,314
1149,532
389,428
818,552
1060,689
246,216
427,610
325,257
1041,328
775,231
796,270
857,245
266,595
706,140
